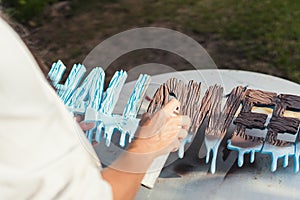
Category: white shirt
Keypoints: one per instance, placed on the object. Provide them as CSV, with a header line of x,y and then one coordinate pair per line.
x,y
43,152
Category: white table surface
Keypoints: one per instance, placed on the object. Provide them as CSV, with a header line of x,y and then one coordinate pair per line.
x,y
252,181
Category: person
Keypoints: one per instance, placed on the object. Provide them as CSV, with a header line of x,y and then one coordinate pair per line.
x,y
43,151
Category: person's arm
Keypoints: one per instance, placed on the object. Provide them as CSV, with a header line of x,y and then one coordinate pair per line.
x,y
157,135
124,184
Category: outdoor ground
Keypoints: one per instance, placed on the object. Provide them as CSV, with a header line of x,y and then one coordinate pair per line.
x,y
261,36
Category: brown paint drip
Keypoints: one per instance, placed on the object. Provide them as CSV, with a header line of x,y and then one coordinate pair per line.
x,y
159,99
219,122
189,97
281,124
290,101
179,89
232,104
214,111
284,124
247,140
248,119
202,110
272,139
192,102
251,120
258,97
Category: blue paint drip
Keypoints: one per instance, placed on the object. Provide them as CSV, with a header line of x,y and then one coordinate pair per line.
x,y
65,91
252,156
90,134
88,99
242,151
184,141
56,72
82,97
127,124
108,132
123,139
277,152
212,145
296,157
99,132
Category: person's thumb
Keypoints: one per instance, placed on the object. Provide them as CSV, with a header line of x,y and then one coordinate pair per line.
x,y
145,119
172,107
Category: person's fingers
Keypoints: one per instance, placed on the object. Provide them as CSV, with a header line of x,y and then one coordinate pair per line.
x,y
186,127
182,134
175,136
175,149
145,119
94,143
86,126
171,107
175,145
78,118
185,121
180,120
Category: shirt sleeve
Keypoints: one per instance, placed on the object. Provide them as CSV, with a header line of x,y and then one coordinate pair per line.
x,y
43,152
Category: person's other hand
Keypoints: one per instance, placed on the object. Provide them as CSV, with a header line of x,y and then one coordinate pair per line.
x,y
83,125
161,132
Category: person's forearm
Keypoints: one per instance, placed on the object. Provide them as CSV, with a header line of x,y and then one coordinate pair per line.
x,y
124,185
126,173
157,135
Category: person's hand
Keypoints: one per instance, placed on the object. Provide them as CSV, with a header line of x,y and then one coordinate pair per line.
x,y
161,132
157,134
83,125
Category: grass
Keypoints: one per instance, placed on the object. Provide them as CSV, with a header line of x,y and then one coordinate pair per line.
x,y
246,32
25,10
268,31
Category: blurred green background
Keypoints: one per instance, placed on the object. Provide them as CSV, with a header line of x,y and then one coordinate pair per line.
x,y
256,35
